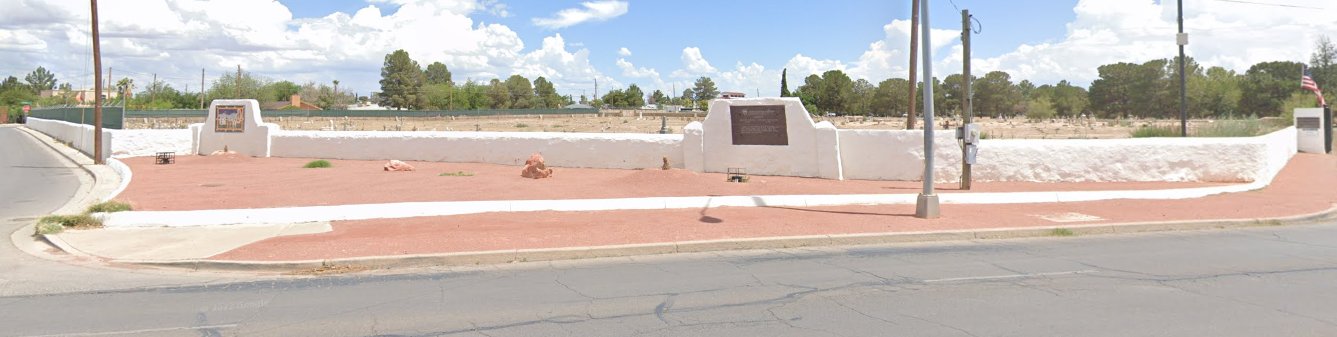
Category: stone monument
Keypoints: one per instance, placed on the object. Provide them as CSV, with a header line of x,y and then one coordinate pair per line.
x,y
765,136
236,125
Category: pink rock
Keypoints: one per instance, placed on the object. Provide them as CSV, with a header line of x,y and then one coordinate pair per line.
x,y
395,165
534,168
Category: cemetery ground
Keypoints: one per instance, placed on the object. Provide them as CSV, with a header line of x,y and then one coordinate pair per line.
x,y
634,122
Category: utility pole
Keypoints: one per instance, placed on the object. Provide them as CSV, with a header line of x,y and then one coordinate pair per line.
x,y
966,112
1183,97
201,88
914,44
154,85
926,206
109,84
237,92
97,98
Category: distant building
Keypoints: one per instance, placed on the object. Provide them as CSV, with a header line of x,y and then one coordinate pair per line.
x,y
295,103
732,94
81,96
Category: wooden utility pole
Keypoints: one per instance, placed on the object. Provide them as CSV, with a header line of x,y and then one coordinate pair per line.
x,y
201,88
237,93
966,112
914,45
97,97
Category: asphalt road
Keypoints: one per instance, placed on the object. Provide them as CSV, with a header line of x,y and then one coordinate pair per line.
x,y
33,181
1274,281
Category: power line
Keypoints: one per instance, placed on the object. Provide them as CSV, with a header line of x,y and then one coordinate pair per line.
x,y
1270,4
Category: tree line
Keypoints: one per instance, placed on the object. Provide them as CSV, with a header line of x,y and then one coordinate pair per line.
x,y
407,85
1123,90
161,95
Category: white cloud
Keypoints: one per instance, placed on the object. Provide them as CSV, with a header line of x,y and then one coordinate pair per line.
x,y
176,38
693,64
1231,35
624,52
592,11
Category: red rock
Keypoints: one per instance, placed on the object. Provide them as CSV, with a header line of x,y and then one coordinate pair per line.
x,y
395,165
534,168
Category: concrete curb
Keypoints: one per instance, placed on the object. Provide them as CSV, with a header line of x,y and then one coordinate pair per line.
x,y
574,253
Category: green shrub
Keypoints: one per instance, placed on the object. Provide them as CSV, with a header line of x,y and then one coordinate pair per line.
x,y
1062,232
1230,128
318,164
521,125
109,206
81,221
47,228
1155,131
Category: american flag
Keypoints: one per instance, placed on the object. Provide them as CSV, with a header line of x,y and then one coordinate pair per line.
x,y
1307,83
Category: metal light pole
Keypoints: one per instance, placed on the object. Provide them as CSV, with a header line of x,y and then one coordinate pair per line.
x,y
1182,40
926,206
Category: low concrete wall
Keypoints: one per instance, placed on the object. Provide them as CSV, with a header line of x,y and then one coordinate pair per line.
x,y
80,136
144,142
591,150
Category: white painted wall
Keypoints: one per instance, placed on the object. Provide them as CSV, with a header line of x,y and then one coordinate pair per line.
x,y
79,135
897,155
591,150
139,143
254,140
802,157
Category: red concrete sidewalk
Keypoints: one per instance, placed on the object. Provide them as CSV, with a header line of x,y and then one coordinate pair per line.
x,y
1307,185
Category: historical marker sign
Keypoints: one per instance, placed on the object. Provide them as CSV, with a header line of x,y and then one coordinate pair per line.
x,y
1308,123
230,118
759,125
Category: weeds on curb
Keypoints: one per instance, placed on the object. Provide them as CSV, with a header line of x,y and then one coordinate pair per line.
x,y
53,224
1062,232
456,174
318,164
109,206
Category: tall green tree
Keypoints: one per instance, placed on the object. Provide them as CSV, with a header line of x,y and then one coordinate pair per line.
x,y
230,86
995,94
890,100
837,89
1069,100
283,90
1324,64
437,73
635,97
402,81
704,90
499,94
547,94
658,98
1266,85
521,91
40,79
784,83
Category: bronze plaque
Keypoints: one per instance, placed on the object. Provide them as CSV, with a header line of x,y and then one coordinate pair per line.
x,y
230,118
759,125
1308,123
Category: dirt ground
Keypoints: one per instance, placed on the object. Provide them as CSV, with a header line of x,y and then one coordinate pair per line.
x,y
234,181
629,122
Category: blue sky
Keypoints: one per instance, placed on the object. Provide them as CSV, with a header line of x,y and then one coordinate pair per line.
x,y
742,44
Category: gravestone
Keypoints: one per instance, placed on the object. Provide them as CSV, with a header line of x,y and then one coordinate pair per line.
x,y
765,136
234,124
